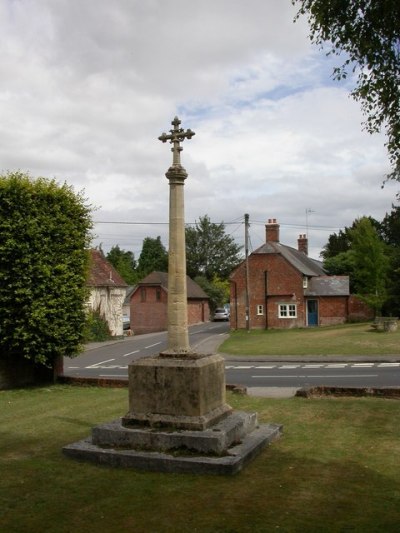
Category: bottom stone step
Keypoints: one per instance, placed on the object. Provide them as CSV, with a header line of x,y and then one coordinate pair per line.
x,y
230,463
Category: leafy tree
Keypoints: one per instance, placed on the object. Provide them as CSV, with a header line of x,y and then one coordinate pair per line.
x,y
338,243
125,264
215,290
389,229
209,251
390,233
371,264
342,264
153,256
44,236
367,31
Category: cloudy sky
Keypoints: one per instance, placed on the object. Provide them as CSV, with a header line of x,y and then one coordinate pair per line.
x,y
87,86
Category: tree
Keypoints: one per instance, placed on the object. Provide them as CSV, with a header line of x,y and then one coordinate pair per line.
x,y
390,233
338,243
216,290
125,264
371,264
209,251
44,238
153,256
368,32
389,228
342,264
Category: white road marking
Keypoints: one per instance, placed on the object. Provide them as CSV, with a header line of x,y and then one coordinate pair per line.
x,y
130,353
109,367
389,365
271,366
368,365
243,367
336,365
320,376
152,345
289,366
113,375
100,363
313,366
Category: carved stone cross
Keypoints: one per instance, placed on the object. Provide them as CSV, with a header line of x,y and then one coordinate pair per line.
x,y
177,135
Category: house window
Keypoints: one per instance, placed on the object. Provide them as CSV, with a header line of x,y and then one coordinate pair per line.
x,y
158,294
143,294
305,282
260,309
287,310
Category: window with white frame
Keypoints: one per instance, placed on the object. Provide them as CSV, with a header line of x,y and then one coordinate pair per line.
x,y
287,310
260,309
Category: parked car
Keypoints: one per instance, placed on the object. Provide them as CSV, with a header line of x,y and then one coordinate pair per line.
x,y
126,323
220,314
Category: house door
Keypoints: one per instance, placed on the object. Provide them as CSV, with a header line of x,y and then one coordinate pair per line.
x,y
312,312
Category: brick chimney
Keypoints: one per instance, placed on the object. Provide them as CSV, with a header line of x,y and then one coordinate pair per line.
x,y
272,230
302,244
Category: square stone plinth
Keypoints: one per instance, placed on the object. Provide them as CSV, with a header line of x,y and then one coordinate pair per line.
x,y
182,393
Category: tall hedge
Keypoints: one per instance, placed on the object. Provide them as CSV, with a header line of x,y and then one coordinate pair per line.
x,y
44,238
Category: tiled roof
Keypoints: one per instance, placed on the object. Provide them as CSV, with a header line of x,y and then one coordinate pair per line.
x,y
303,263
328,286
102,273
161,278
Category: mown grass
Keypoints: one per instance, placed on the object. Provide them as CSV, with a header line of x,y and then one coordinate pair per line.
x,y
336,468
348,339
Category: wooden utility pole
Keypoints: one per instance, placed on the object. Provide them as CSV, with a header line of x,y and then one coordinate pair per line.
x,y
246,248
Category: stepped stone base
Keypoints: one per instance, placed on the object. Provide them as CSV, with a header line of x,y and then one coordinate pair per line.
x,y
221,449
178,421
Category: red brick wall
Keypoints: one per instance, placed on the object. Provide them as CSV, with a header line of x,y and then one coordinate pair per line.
x,y
198,311
152,315
285,286
332,310
359,310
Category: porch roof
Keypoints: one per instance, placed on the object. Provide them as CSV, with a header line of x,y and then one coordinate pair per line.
x,y
328,286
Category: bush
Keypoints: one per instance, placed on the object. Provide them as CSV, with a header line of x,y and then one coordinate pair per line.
x,y
96,328
44,239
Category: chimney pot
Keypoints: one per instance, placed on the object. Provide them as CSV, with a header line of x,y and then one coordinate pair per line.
x,y
272,230
302,243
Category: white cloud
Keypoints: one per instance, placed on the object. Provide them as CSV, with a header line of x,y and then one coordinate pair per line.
x,y
87,87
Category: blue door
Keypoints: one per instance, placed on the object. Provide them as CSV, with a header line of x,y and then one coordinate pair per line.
x,y
312,312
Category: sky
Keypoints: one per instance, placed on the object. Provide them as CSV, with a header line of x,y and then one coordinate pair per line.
x,y
87,87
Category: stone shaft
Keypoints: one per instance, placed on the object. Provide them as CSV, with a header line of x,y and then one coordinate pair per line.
x,y
178,336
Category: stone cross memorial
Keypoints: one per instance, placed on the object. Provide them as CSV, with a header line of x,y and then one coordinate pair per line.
x,y
177,398
178,338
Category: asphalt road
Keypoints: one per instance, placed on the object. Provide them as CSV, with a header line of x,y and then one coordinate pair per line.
x,y
333,374
110,360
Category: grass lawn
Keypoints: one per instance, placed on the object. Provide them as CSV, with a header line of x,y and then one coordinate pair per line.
x,y
349,339
336,468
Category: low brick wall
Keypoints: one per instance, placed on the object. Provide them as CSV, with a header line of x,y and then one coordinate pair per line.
x,y
20,372
378,392
93,382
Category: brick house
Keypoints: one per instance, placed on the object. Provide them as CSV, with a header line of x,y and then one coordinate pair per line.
x,y
107,291
288,289
149,304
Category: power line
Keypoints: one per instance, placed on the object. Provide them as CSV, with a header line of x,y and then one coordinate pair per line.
x,y
234,222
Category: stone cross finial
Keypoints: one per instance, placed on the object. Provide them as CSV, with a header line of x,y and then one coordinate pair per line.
x,y
177,135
